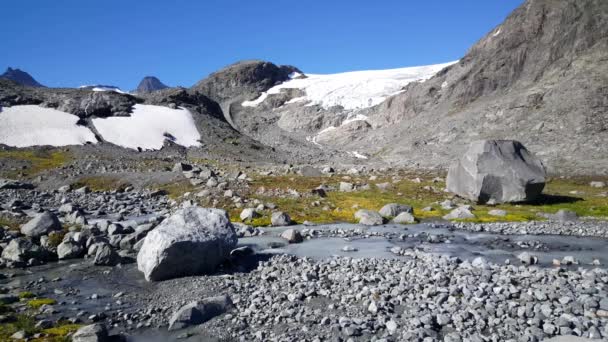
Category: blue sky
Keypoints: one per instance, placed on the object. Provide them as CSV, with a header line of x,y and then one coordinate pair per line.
x,y
75,42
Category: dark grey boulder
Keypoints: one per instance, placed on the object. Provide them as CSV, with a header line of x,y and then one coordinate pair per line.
x,y
497,171
200,312
192,241
41,224
105,255
369,217
22,250
70,250
280,218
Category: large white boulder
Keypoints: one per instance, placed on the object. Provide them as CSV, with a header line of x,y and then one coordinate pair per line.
x,y
192,241
497,171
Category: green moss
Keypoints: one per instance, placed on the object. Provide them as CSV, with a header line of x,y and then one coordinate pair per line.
x,y
101,183
36,160
56,238
570,194
60,331
37,303
26,295
21,322
177,189
10,222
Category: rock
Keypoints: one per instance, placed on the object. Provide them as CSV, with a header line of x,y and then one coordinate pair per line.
x,y
404,218
292,236
393,209
199,312
497,212
597,184
13,184
20,335
249,214
22,250
280,218
346,187
83,190
497,170
527,258
192,241
41,224
70,250
369,217
181,167
459,213
565,215
91,333
105,255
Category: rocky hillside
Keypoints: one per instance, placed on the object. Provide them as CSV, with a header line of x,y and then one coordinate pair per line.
x,y
21,77
540,77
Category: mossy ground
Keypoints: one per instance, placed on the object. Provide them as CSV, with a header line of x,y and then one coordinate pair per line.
x,y
26,322
571,194
35,161
101,183
38,302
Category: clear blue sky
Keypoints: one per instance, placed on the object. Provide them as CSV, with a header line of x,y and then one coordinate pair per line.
x,y
75,42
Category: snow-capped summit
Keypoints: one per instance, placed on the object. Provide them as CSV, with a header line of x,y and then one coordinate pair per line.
x,y
20,77
149,84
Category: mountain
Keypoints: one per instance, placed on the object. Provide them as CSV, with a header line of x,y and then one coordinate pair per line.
x,y
539,77
149,84
20,77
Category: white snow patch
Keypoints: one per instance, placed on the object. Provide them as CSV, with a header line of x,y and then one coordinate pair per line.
x,y
444,84
295,74
146,127
30,125
356,89
103,88
496,33
357,155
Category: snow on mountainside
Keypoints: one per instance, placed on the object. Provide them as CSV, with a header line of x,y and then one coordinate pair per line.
x,y
148,127
99,87
352,90
29,125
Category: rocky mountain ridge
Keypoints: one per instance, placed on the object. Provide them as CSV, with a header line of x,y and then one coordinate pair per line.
x,y
20,77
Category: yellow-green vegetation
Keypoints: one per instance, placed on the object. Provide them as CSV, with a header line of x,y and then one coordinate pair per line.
x,y
570,194
27,323
38,302
176,189
35,161
56,238
26,295
21,322
10,222
101,183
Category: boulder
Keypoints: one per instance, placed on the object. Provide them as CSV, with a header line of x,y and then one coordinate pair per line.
x,y
404,218
460,213
21,250
292,236
91,333
70,250
280,218
248,214
346,187
497,171
41,224
192,241
394,209
105,255
369,217
199,312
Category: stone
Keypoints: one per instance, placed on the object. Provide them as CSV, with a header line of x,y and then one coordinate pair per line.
x,y
22,250
527,258
41,224
369,217
404,218
497,170
192,241
105,255
597,184
459,213
70,250
91,333
346,187
280,218
249,214
199,312
393,209
292,236
497,212
181,167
